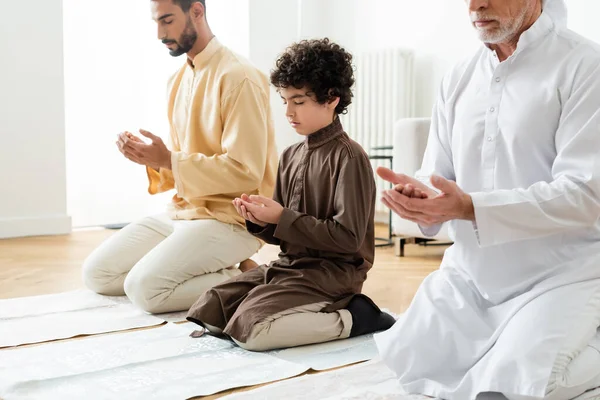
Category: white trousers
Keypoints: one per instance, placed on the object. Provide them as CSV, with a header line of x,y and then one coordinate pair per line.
x,y
164,265
574,381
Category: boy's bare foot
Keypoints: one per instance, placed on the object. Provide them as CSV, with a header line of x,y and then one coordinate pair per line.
x,y
248,265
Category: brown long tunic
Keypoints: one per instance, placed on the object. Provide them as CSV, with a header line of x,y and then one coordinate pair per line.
x,y
326,235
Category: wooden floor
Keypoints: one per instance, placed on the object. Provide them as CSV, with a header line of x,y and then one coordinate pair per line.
x,y
52,264
44,265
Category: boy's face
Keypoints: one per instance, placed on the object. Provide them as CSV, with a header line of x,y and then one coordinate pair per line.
x,y
303,111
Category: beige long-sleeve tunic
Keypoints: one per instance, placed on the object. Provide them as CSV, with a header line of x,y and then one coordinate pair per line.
x,y
222,136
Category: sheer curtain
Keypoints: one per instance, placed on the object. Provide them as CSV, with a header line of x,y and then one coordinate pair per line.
x,y
115,79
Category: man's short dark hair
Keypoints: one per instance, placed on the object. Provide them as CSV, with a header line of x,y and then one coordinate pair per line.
x,y
187,4
322,66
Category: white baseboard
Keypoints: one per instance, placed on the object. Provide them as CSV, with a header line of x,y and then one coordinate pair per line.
x,y
37,226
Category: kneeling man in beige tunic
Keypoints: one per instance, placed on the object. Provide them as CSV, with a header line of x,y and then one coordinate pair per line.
x,y
221,145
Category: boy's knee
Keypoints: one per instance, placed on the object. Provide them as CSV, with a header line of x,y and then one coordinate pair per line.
x,y
205,309
255,344
258,339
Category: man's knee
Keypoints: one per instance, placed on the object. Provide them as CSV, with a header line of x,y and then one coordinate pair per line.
x,y
97,276
140,288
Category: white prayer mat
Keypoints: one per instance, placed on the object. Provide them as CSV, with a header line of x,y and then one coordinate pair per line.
x,y
175,317
339,353
161,363
39,319
322,356
367,381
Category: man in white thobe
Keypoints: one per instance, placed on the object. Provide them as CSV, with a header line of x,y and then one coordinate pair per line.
x,y
513,166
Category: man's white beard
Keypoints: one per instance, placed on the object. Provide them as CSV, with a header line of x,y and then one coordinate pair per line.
x,y
496,36
504,33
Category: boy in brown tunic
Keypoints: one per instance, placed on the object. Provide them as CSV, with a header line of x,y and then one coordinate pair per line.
x,y
321,215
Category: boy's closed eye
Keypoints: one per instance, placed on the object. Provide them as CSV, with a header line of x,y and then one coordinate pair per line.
x,y
297,99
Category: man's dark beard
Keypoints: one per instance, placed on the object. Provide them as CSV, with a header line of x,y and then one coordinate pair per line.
x,y
186,41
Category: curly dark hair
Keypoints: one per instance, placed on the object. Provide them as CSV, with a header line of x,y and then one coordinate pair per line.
x,y
322,66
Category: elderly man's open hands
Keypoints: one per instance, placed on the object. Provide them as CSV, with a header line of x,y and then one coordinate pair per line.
x,y
416,202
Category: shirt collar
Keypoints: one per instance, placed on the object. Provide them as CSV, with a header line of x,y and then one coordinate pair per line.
x,y
540,29
205,55
325,135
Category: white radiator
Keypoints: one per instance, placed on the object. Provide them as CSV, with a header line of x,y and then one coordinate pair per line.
x,y
383,93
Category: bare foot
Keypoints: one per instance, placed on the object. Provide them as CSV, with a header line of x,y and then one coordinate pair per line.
x,y
248,265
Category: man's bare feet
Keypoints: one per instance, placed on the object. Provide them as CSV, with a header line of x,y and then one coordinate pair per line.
x,y
248,265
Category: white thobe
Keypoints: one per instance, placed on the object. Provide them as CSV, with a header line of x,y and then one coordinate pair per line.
x,y
517,297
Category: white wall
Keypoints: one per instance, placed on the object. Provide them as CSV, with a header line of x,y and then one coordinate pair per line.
x,y
438,31
230,22
115,79
32,141
274,25
583,18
